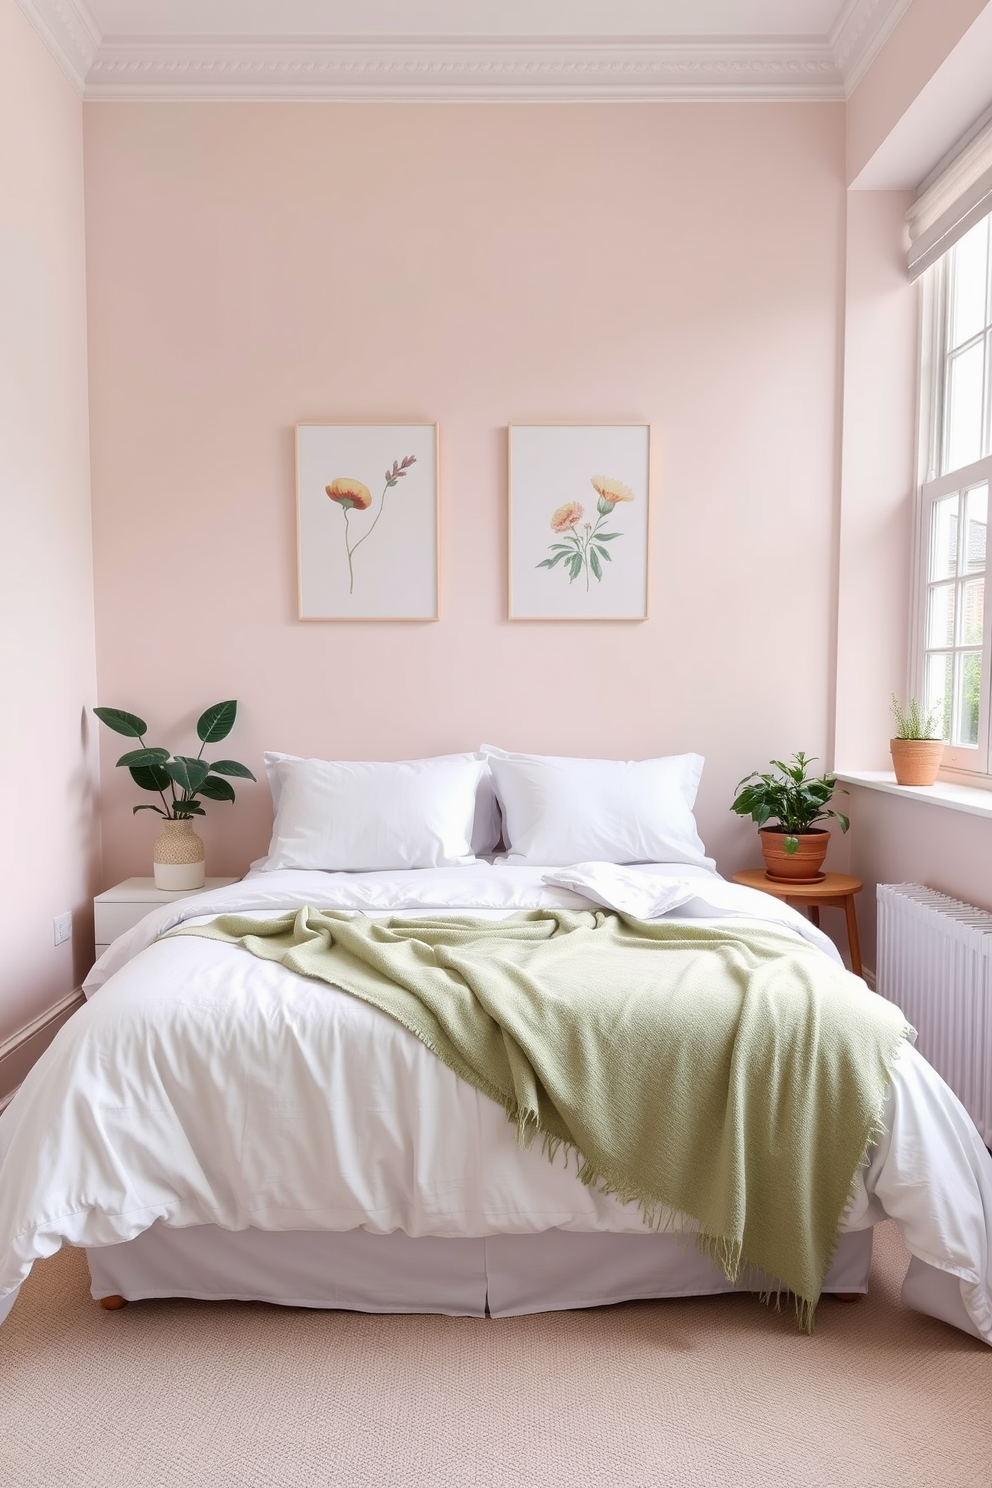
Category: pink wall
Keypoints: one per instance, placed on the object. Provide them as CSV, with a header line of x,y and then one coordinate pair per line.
x,y
894,840
928,31
878,488
255,265
46,594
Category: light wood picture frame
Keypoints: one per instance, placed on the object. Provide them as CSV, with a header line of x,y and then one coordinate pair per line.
x,y
367,521
579,521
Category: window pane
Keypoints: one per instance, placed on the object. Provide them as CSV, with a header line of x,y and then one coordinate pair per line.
x,y
969,277
953,649
965,383
940,672
972,605
944,538
969,697
976,510
940,616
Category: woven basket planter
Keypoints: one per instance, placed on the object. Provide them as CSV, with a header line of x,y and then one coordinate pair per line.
x,y
916,761
178,857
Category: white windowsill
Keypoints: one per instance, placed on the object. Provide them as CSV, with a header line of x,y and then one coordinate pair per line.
x,y
969,798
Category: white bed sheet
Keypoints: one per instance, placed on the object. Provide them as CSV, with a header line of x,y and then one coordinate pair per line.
x,y
201,1086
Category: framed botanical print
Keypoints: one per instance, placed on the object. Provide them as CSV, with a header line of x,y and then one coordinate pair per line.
x,y
367,521
578,528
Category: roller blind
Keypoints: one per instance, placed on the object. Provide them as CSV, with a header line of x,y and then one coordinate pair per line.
x,y
960,197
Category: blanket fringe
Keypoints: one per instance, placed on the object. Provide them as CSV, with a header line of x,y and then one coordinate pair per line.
x,y
722,1251
877,1130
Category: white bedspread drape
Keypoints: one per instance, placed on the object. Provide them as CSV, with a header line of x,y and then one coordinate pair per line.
x,y
200,1085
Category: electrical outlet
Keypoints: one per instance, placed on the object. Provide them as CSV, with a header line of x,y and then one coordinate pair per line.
x,y
63,928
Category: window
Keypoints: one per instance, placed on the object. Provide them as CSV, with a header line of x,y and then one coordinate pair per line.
x,y
953,646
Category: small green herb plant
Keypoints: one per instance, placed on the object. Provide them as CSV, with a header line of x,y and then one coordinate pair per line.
x,y
185,777
913,723
789,797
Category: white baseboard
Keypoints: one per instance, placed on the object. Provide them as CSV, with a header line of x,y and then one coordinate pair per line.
x,y
19,1052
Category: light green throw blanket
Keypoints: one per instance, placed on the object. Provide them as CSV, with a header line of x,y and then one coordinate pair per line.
x,y
732,1077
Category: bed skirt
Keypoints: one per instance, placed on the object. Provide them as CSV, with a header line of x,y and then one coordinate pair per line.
x,y
502,1275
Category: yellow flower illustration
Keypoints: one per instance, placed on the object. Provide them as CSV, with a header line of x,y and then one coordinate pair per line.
x,y
611,491
563,518
349,493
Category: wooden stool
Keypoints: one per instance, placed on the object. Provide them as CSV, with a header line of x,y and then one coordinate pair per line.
x,y
834,888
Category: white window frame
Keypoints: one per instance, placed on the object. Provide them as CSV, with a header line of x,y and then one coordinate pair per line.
x,y
962,762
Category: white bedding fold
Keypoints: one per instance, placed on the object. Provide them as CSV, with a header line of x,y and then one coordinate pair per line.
x,y
478,889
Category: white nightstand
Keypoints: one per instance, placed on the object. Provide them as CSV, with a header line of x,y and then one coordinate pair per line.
x,y
117,909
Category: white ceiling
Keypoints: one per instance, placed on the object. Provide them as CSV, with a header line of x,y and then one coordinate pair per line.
x,y
465,49
406,18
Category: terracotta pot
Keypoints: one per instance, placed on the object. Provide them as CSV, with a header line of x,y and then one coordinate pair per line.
x,y
178,857
916,761
802,866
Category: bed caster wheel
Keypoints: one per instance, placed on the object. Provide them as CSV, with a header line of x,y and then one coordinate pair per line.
x,y
113,1303
848,1296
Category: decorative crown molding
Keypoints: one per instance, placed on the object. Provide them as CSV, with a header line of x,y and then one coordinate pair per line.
x,y
401,69
438,70
70,33
859,33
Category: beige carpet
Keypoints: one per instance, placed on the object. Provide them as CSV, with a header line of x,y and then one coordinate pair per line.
x,y
709,1393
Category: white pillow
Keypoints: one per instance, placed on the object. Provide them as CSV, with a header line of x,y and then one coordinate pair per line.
x,y
364,815
558,811
486,828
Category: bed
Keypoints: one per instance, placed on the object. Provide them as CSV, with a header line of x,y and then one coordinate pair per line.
x,y
213,1125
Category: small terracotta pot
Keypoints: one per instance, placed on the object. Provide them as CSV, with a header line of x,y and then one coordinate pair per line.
x,y
802,866
178,857
916,761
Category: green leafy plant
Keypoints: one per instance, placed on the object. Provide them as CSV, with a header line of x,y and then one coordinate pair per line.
x,y
913,723
790,797
186,777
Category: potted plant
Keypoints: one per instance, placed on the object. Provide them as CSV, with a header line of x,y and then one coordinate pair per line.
x,y
178,853
794,849
917,748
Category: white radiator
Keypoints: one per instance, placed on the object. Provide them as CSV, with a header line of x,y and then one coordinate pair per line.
x,y
934,960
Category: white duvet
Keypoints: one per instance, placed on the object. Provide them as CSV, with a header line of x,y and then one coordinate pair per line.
x,y
200,1085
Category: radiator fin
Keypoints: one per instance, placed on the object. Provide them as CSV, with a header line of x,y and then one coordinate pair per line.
x,y
935,962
